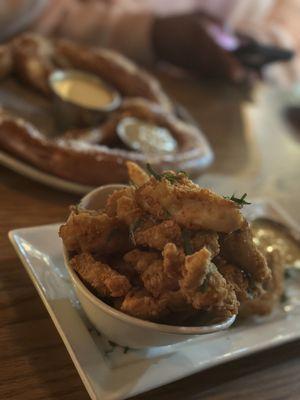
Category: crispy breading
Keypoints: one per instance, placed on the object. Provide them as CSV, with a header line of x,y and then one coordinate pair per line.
x,y
207,239
136,174
128,210
157,236
189,205
112,200
94,232
152,274
140,260
173,260
236,277
141,304
273,289
239,249
204,287
101,277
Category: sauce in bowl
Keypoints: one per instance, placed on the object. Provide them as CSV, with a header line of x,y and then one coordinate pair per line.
x,y
84,90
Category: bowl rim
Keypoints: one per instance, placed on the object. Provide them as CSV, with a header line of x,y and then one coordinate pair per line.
x,y
154,326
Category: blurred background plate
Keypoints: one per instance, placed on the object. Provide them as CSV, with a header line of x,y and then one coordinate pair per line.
x,y
40,176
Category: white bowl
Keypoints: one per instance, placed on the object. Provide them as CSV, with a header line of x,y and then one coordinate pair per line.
x,y
117,326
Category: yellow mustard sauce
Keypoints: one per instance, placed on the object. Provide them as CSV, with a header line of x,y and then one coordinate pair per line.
x,y
83,92
270,235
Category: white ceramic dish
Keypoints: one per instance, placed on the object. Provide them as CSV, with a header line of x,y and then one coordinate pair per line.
x,y
118,326
113,373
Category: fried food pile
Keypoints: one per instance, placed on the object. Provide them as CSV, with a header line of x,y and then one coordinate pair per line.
x,y
164,249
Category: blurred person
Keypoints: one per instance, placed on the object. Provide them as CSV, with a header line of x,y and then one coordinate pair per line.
x,y
216,37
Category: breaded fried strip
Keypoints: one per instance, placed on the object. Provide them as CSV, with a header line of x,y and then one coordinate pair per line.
x,y
239,249
112,200
141,304
94,232
140,260
136,174
159,235
207,239
152,274
100,276
173,260
236,277
189,205
205,288
274,289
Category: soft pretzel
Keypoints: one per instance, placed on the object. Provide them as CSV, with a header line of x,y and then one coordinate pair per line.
x,y
5,61
79,159
94,156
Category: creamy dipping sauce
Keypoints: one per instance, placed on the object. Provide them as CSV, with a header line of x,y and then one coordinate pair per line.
x,y
85,92
146,137
270,235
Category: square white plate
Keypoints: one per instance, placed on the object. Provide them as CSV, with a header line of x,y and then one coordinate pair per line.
x,y
112,372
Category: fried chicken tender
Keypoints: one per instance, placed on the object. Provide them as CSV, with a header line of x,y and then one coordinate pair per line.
x,y
157,236
101,277
236,277
189,205
239,249
140,260
152,273
173,260
273,289
141,304
205,288
136,174
94,232
207,239
112,201
128,210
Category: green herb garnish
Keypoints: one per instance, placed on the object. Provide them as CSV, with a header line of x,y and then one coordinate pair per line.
x,y
187,245
240,201
171,177
152,172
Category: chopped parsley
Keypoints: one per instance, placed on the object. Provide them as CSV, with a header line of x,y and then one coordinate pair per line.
x,y
171,177
240,201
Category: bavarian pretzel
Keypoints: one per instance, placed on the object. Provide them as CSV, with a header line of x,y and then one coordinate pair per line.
x,y
92,156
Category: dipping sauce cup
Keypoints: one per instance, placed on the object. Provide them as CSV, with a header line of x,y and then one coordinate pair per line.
x,y
81,99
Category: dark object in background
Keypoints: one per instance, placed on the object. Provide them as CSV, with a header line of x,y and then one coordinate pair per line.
x,y
203,45
292,114
256,55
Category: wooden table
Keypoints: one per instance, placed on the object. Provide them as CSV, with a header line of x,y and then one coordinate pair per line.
x,y
255,152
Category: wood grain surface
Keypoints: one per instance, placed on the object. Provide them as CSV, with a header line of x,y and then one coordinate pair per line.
x,y
34,363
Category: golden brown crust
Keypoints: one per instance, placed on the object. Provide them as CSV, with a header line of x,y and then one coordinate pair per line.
x,y
239,249
176,272
189,205
94,233
265,303
101,277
